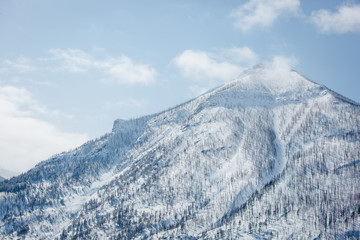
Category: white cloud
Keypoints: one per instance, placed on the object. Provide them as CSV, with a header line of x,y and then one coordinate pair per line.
x,y
25,139
262,12
23,100
278,73
207,70
282,62
200,65
346,19
72,60
20,65
122,70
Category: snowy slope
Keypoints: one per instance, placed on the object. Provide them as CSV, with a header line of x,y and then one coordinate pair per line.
x,y
268,155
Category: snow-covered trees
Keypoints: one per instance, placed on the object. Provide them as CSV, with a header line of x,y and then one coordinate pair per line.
x,y
251,159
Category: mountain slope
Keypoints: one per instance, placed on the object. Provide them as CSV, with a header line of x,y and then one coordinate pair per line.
x,y
268,155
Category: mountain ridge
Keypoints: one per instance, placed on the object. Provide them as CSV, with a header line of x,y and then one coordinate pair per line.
x,y
243,161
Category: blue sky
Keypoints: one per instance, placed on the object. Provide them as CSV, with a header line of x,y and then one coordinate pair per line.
x,y
68,69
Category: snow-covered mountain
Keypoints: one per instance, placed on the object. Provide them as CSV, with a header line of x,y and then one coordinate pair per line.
x,y
7,173
270,155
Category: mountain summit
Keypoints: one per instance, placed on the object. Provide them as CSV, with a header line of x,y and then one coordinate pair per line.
x,y
270,155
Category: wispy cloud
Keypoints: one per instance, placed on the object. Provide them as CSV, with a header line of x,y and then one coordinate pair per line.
x,y
72,60
345,19
280,67
24,138
201,65
21,99
208,69
122,70
20,64
262,13
283,62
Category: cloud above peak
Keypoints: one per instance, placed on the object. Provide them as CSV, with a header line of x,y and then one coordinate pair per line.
x,y
223,65
209,69
262,13
199,65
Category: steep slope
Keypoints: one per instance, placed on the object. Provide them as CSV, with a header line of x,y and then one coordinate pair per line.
x,y
268,155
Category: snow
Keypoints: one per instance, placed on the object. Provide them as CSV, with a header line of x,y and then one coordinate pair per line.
x,y
268,155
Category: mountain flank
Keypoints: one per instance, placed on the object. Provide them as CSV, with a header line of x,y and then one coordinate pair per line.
x,y
269,155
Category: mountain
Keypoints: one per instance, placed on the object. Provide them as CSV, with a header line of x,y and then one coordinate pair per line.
x,y
7,173
1,178
270,155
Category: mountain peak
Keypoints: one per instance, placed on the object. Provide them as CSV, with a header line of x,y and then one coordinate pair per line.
x,y
276,77
270,155
265,85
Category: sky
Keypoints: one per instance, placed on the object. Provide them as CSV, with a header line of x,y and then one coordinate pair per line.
x,y
69,68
